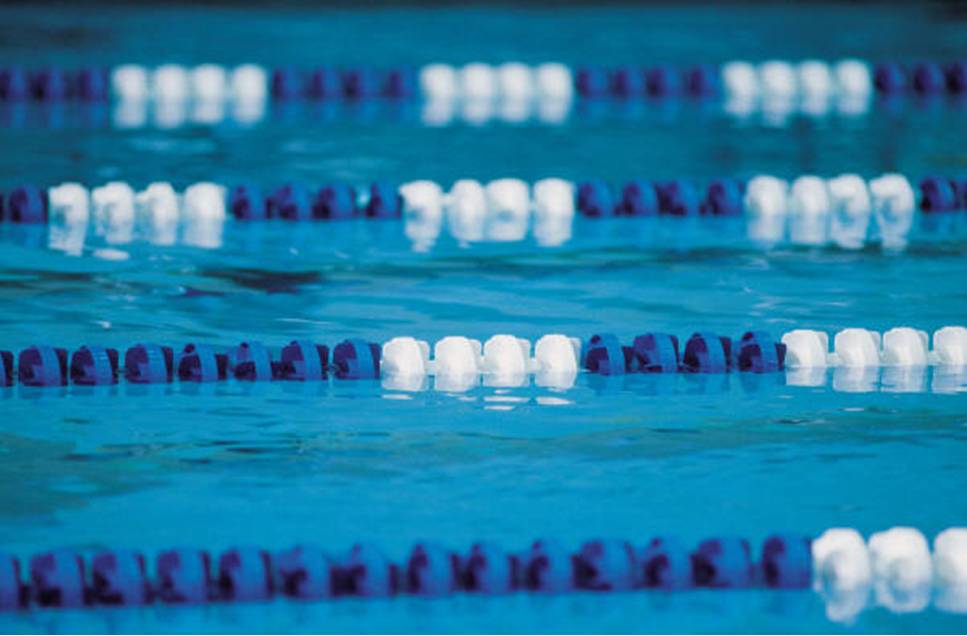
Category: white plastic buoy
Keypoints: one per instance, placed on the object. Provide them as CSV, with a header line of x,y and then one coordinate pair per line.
x,y
456,363
438,82
905,347
806,348
809,209
129,82
857,348
902,568
249,83
508,208
815,80
204,214
405,356
157,211
466,205
515,82
553,211
477,82
765,205
169,82
555,82
853,77
422,212
841,560
505,360
69,217
778,80
894,205
851,210
950,346
209,82
950,558
169,113
557,354
113,211
740,81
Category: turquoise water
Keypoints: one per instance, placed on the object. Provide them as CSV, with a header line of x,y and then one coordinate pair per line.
x,y
337,463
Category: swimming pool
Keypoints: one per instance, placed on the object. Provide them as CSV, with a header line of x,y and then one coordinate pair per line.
x,y
338,462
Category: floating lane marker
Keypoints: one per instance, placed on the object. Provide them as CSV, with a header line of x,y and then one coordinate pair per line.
x,y
897,565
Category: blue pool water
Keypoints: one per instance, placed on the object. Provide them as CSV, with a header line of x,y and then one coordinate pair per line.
x,y
337,463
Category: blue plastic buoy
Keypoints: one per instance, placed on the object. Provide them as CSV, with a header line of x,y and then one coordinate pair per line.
x,y
91,84
722,562
26,204
148,363
251,361
548,567
591,81
759,353
119,577
665,563
628,82
663,81
639,198
290,202
937,195
367,572
304,361
11,589
787,561
288,83
678,197
431,571
201,363
955,74
304,572
42,365
245,574
703,81
928,78
336,201
385,202
356,359
93,365
49,84
247,203
656,353
605,566
325,83
399,83
889,78
707,353
724,198
58,579
595,199
184,576
489,570
13,84
605,355
6,368
360,83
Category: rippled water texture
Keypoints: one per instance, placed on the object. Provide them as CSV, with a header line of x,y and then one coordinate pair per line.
x,y
342,462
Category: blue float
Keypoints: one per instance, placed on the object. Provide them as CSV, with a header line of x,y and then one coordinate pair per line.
x,y
336,201
937,194
639,198
399,83
251,361
304,572
184,576
356,359
201,363
431,571
595,199
928,78
787,561
703,81
14,85
42,365
6,368
548,568
91,84
678,197
722,562
49,84
707,353
606,356
58,579
119,577
656,353
245,574
325,83
724,198
759,353
290,202
304,361
489,570
890,78
605,566
663,81
591,81
247,203
384,202
628,81
665,563
93,365
288,83
26,204
367,572
11,589
360,83
955,75
149,363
